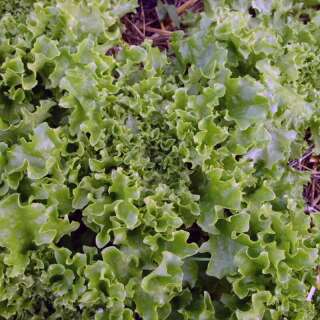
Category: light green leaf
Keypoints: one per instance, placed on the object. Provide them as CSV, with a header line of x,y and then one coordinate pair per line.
x,y
223,193
246,102
222,250
165,279
127,213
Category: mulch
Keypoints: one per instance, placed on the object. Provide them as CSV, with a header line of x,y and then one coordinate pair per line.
x,y
151,21
310,162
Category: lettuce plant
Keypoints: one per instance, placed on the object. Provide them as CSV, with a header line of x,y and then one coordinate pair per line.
x,y
155,185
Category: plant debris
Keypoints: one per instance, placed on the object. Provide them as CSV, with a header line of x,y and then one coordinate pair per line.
x,y
311,163
149,23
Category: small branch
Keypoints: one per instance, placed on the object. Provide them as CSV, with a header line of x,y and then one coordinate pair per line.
x,y
144,20
187,5
135,27
148,23
311,293
313,187
309,153
159,31
315,201
310,209
314,289
304,167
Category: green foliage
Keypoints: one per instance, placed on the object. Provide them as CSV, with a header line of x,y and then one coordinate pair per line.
x,y
18,8
156,184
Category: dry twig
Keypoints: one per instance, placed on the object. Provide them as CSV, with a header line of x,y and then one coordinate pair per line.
x,y
159,31
187,5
